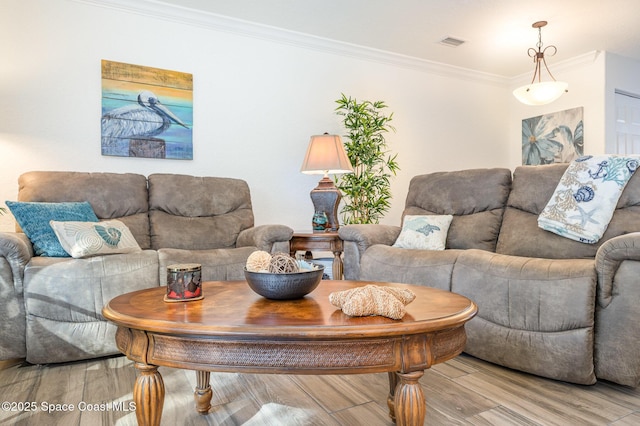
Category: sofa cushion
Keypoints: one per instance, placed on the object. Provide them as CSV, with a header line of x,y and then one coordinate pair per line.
x,y
121,196
533,187
426,267
476,198
34,220
424,232
217,264
198,213
534,315
64,300
85,239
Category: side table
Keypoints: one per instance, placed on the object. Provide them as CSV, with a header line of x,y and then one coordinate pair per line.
x,y
308,241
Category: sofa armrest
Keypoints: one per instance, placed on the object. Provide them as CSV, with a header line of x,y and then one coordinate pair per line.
x,y
17,250
270,238
609,257
367,235
358,238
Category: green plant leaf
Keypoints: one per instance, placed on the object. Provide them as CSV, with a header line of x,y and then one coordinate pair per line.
x,y
366,192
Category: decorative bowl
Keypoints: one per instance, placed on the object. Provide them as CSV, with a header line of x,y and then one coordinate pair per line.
x,y
293,285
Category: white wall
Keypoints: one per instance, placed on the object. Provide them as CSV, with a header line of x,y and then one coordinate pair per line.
x,y
256,103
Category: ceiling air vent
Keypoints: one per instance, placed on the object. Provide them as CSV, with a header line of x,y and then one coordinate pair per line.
x,y
451,41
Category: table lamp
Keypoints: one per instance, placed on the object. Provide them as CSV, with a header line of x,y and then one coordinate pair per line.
x,y
325,155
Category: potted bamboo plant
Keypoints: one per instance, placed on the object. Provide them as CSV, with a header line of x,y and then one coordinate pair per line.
x,y
366,192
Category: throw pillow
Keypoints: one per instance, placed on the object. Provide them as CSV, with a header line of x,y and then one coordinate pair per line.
x,y
428,232
34,220
85,239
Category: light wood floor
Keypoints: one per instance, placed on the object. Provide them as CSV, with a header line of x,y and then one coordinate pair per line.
x,y
463,391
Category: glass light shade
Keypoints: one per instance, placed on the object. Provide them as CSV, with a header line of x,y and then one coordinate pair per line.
x,y
325,155
540,93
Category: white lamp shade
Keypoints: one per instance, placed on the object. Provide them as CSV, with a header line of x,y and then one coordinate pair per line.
x,y
540,93
325,155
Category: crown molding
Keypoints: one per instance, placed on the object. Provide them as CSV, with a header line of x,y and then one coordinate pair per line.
x,y
182,15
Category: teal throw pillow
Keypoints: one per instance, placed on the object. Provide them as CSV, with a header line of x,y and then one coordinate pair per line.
x,y
34,220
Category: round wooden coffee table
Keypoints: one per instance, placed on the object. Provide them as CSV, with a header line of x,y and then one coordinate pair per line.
x,y
235,330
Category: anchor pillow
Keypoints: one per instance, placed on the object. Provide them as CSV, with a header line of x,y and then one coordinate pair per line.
x,y
424,232
85,239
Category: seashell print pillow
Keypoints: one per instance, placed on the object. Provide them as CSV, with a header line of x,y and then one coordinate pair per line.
x,y
424,232
85,239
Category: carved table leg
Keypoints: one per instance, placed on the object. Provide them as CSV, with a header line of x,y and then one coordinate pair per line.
x,y
409,400
148,394
393,382
203,392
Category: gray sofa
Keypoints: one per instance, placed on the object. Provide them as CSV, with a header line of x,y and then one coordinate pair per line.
x,y
51,306
548,305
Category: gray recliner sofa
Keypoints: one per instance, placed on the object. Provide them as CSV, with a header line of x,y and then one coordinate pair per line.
x,y
51,306
548,305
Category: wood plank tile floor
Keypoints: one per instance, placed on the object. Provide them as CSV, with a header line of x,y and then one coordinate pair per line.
x,y
463,391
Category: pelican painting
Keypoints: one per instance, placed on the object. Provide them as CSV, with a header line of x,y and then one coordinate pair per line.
x,y
146,112
141,121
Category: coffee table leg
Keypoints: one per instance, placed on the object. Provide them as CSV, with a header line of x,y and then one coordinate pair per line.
x,y
203,392
410,407
148,394
391,403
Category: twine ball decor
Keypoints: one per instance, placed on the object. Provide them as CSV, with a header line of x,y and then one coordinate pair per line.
x,y
282,263
258,261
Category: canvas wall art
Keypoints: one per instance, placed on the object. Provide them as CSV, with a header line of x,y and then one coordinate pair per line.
x,y
557,137
146,112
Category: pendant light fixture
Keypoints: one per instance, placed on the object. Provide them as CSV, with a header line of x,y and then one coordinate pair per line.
x,y
540,92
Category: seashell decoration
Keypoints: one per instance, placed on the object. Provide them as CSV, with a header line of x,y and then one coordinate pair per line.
x,y
584,194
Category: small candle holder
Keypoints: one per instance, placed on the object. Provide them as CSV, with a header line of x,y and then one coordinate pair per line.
x,y
184,282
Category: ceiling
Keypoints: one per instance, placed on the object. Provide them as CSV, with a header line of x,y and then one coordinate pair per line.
x,y
497,33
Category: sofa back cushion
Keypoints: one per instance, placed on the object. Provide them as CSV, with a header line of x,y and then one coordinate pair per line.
x,y
476,198
199,213
532,189
111,195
